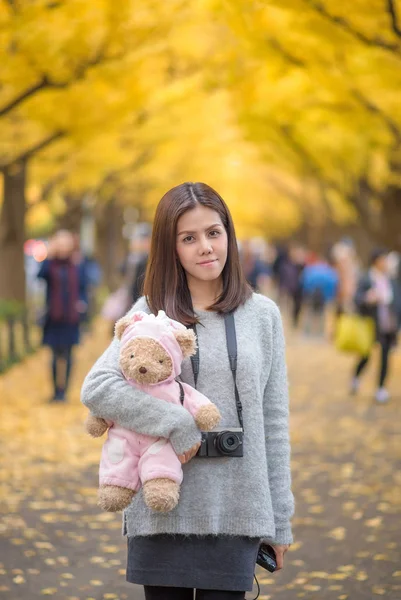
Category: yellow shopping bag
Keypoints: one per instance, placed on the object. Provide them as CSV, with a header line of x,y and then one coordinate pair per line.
x,y
355,333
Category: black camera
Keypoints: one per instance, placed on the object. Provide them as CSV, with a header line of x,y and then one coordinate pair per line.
x,y
222,442
267,558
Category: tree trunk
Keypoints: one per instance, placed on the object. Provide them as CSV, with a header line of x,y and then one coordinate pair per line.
x,y
12,233
380,219
111,246
71,218
391,220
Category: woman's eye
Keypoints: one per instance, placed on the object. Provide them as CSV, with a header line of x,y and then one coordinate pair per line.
x,y
214,233
161,361
189,238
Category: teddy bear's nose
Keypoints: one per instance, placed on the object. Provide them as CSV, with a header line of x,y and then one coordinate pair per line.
x,y
143,370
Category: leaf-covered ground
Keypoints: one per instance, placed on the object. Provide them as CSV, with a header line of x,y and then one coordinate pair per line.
x,y
347,483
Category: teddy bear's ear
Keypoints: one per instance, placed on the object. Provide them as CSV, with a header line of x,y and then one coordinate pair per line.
x,y
121,326
123,323
187,341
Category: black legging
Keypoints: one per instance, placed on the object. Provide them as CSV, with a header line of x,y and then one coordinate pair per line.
x,y
297,299
173,593
386,342
61,367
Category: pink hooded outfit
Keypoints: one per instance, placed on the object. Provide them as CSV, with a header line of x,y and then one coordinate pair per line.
x,y
129,459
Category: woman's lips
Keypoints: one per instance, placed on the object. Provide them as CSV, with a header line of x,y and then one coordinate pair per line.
x,y
207,263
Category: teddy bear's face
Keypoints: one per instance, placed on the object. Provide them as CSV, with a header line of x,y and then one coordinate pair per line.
x,y
145,361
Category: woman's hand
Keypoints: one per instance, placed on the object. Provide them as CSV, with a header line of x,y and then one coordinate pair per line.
x,y
186,457
280,550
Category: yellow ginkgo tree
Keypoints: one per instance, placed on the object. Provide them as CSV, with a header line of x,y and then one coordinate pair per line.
x,y
289,108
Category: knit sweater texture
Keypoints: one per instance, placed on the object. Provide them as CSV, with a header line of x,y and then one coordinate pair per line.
x,y
249,496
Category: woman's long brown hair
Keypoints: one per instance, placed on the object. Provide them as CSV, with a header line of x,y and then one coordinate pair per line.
x,y
166,285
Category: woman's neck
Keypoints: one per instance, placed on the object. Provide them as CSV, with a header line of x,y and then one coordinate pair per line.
x,y
204,293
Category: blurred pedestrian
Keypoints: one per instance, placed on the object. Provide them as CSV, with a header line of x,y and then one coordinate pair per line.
x,y
66,303
227,504
134,266
256,269
292,269
278,271
346,264
132,271
319,284
377,297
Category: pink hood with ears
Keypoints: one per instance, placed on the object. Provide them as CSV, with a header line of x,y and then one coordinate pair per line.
x,y
159,328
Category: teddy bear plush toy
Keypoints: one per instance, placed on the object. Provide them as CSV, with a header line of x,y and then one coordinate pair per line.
x,y
151,352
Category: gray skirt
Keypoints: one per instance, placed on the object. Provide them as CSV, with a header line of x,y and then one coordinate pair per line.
x,y
203,562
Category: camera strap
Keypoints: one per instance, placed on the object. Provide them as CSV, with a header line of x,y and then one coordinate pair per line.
x,y
182,393
231,340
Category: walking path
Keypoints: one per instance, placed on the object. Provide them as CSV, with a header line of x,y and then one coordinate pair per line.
x,y
347,483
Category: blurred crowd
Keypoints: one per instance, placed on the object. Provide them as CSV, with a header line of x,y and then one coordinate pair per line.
x,y
336,296
314,292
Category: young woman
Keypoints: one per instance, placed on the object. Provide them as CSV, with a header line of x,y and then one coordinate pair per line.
x,y
227,504
66,303
377,297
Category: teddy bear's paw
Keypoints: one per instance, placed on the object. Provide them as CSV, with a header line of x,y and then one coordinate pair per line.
x,y
161,495
95,426
113,498
207,417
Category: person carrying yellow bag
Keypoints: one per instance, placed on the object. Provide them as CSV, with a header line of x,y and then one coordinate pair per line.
x,y
379,313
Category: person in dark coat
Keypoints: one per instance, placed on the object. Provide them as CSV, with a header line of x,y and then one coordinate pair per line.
x,y
66,303
292,269
377,297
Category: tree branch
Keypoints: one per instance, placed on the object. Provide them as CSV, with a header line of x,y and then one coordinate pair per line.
x,y
51,184
275,44
393,15
285,190
31,151
307,159
113,176
11,4
348,28
372,108
360,200
46,83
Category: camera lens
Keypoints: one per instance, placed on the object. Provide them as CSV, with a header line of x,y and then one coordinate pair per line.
x,y
227,442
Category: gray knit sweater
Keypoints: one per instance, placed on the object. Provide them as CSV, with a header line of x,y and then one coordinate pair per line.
x,y
249,496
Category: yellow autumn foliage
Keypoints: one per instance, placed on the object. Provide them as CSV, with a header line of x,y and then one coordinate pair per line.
x,y
270,102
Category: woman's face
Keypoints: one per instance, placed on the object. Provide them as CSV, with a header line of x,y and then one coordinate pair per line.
x,y
64,245
202,243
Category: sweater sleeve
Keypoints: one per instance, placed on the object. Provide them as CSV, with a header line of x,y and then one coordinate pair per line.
x,y
276,417
107,394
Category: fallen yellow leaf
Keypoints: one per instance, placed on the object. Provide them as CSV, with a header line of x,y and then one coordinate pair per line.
x,y
378,590
376,522
339,534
